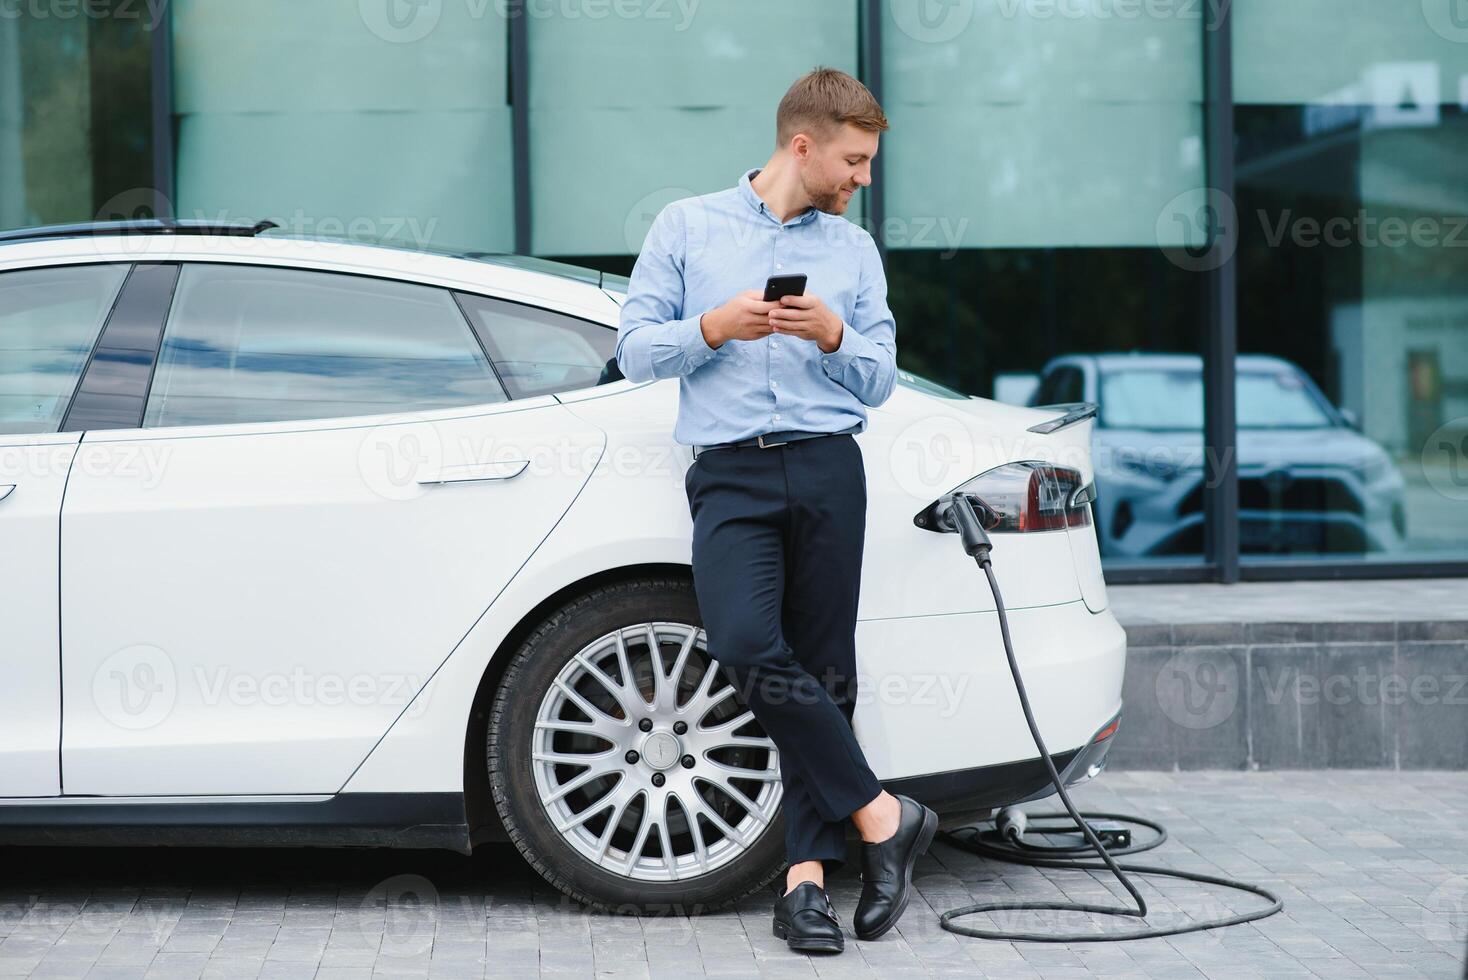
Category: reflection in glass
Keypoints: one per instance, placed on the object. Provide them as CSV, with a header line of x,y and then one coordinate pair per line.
x,y
1308,481
1032,168
49,322
1353,259
537,352
629,113
386,121
75,119
259,344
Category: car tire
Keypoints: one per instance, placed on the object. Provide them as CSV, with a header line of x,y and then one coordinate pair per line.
x,y
532,703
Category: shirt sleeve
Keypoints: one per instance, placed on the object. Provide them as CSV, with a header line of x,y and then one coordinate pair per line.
x,y
654,338
866,362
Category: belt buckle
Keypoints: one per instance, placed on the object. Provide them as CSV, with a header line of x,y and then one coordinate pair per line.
x,y
768,445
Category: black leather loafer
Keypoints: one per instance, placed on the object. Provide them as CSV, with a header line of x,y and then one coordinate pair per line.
x,y
806,921
886,869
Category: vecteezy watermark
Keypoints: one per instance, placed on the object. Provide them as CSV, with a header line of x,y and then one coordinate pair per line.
x,y
407,21
935,453
140,687
413,232
940,693
691,225
300,687
932,455
1444,917
1209,12
400,21
136,687
1445,459
1199,688
1364,231
149,12
392,457
402,460
942,233
1279,682
140,463
932,21
1198,230
1448,18
939,21
398,917
644,213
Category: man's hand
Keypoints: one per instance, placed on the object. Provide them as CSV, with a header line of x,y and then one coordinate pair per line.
x,y
807,316
745,317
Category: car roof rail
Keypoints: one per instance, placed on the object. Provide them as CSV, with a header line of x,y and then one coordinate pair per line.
x,y
140,226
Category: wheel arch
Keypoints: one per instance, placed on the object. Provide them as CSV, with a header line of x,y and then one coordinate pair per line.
x,y
484,820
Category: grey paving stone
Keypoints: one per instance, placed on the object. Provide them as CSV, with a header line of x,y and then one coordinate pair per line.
x,y
1372,866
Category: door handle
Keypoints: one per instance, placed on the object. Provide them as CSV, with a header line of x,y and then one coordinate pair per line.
x,y
506,469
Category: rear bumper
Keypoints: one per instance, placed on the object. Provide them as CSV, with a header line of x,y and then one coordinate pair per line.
x,y
936,696
964,796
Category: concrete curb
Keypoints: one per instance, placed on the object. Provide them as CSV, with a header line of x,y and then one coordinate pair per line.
x,y
1295,695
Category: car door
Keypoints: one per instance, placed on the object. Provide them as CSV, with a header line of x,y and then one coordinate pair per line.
x,y
327,486
50,319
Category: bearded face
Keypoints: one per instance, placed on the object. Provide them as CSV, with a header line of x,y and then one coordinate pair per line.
x,y
834,168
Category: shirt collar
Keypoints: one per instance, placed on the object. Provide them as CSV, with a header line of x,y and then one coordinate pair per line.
x,y
746,190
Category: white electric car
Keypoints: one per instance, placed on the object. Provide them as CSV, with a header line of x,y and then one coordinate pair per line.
x,y
317,542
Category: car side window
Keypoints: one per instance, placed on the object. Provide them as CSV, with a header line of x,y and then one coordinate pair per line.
x,y
49,322
247,343
538,352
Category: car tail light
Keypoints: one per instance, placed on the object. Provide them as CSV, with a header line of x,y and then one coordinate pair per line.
x,y
1023,496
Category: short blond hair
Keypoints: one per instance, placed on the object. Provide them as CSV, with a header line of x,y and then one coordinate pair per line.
x,y
821,101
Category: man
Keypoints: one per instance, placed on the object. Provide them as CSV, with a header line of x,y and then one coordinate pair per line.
x,y
770,397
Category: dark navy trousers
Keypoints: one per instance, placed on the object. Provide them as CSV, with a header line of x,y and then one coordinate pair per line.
x,y
777,549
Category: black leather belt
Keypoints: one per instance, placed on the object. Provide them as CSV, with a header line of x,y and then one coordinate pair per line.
x,y
769,440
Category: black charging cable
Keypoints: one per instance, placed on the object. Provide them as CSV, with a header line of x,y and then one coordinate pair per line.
x,y
960,510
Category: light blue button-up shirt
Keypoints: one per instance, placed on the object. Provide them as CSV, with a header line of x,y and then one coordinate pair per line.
x,y
702,251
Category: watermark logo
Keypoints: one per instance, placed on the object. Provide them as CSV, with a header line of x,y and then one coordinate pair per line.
x,y
932,455
932,21
408,21
1206,221
400,21
1445,459
414,233
1447,18
408,905
140,687
142,463
148,12
1199,689
642,214
137,204
1199,230
135,688
392,457
1368,687
1445,912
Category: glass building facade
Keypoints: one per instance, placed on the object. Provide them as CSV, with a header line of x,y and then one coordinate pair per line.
x,y
1240,228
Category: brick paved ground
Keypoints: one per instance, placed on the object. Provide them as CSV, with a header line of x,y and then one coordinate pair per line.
x,y
1373,867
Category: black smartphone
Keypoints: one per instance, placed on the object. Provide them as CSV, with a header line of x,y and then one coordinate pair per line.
x,y
791,285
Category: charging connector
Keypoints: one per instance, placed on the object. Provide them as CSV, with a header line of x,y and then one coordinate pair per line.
x,y
961,511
